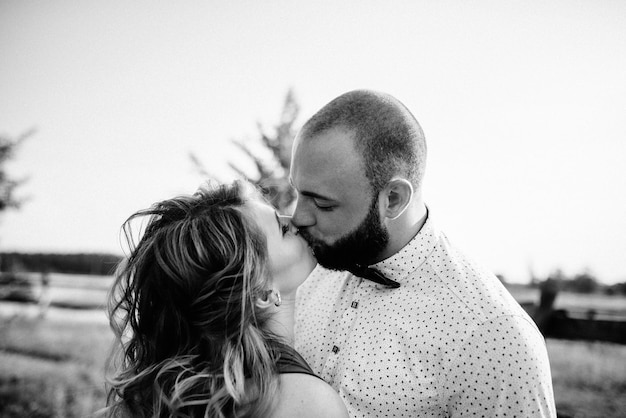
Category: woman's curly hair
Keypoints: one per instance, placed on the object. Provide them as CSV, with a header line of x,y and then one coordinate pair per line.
x,y
190,339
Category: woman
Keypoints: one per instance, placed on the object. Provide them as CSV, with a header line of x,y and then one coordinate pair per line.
x,y
203,313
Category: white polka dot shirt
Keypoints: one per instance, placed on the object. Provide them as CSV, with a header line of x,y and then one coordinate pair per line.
x,y
449,342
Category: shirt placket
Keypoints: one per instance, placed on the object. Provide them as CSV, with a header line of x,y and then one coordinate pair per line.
x,y
349,313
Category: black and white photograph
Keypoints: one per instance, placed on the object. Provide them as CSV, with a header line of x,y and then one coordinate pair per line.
x,y
312,209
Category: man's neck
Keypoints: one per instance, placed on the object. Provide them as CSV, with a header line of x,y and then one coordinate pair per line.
x,y
404,229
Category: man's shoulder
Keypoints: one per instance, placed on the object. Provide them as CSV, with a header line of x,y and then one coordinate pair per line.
x,y
471,281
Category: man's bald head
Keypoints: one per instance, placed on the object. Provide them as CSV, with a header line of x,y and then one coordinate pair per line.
x,y
385,133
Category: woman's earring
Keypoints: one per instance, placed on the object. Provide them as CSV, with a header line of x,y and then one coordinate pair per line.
x,y
278,300
269,297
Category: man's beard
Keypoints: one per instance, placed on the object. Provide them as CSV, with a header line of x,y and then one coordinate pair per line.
x,y
360,246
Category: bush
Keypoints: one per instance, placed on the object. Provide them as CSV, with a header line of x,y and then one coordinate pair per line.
x,y
616,289
583,283
16,287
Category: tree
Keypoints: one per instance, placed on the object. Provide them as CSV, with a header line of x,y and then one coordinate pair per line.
x,y
616,289
8,148
271,173
584,282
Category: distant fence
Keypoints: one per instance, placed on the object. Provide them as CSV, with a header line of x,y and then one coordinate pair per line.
x,y
562,325
576,324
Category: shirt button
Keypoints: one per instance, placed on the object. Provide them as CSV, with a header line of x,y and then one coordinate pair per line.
x,y
355,304
335,349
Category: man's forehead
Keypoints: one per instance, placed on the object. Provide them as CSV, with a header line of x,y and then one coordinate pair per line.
x,y
330,148
336,133
327,167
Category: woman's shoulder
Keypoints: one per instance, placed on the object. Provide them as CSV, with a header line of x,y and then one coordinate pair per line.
x,y
307,396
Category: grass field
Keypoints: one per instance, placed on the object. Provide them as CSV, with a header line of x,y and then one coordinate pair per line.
x,y
589,378
54,366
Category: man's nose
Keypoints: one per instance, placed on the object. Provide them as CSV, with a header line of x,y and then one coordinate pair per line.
x,y
301,217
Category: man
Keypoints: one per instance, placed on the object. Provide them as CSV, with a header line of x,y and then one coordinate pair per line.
x,y
428,332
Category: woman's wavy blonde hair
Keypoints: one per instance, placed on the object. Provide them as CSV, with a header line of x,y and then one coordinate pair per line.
x,y
191,341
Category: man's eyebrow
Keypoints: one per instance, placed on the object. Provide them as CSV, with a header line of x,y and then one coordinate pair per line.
x,y
309,194
316,195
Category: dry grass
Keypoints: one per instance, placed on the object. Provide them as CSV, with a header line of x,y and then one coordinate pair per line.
x,y
589,378
51,368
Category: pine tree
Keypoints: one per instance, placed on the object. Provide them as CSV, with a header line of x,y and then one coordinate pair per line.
x,y
8,148
272,174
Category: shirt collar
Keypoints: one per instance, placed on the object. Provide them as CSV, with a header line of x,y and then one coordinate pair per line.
x,y
411,256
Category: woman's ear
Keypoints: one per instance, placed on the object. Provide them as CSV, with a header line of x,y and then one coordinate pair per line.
x,y
398,194
271,297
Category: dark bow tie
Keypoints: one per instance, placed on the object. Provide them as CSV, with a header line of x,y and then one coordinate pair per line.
x,y
372,274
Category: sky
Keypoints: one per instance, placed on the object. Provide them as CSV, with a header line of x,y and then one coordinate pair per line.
x,y
523,105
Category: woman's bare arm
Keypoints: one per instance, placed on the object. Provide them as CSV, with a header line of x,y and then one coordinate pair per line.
x,y
305,396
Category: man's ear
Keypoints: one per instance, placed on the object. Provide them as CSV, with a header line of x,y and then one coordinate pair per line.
x,y
398,194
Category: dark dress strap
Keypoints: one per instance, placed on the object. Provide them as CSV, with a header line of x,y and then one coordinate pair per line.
x,y
290,361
